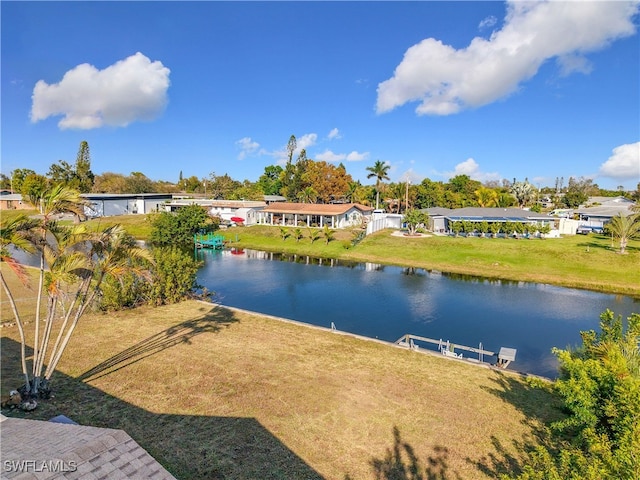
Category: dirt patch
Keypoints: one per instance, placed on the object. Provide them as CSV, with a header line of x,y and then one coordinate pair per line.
x,y
400,233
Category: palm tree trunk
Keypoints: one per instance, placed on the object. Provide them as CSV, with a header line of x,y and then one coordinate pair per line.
x,y
23,349
79,312
81,293
36,334
51,313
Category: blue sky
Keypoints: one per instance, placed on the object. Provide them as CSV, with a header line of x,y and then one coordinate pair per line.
x,y
488,89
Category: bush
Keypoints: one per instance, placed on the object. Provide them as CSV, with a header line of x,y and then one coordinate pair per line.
x,y
174,276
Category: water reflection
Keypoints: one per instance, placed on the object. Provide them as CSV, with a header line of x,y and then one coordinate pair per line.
x,y
387,302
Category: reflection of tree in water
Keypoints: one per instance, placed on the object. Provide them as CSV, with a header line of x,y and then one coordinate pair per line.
x,y
401,463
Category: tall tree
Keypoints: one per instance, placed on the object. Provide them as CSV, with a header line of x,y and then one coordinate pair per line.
x,y
110,182
329,182
379,171
83,168
287,176
429,194
63,172
33,188
523,192
17,178
138,182
269,181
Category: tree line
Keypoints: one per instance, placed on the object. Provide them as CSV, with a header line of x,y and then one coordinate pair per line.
x,y
302,179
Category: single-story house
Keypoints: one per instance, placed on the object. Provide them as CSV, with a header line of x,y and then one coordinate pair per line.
x,y
334,215
13,201
440,219
108,204
227,210
600,210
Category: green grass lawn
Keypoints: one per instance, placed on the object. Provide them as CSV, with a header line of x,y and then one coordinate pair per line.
x,y
218,393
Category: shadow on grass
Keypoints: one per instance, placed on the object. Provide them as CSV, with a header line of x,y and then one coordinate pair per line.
x,y
188,446
540,407
401,463
212,322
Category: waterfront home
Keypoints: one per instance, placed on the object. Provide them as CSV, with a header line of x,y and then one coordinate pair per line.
x,y
236,211
333,215
108,204
440,219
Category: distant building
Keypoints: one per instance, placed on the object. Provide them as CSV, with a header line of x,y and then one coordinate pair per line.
x,y
333,215
227,210
13,201
440,219
108,204
600,210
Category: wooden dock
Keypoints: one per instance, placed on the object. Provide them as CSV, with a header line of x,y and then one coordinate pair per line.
x,y
448,349
209,240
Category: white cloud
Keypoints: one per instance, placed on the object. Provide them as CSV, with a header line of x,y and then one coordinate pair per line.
x,y
305,141
329,156
247,147
131,89
334,134
471,168
357,156
446,80
488,22
624,163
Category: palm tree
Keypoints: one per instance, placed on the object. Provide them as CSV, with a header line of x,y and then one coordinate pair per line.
x,y
314,234
486,197
14,232
379,170
308,195
111,253
351,192
53,201
624,228
329,234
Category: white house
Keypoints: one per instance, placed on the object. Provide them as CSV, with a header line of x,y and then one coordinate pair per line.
x,y
333,215
107,204
246,210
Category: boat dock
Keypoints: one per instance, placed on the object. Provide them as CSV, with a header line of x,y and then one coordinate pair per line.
x,y
503,358
209,240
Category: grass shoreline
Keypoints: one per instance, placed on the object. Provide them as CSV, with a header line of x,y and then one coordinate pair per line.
x,y
582,262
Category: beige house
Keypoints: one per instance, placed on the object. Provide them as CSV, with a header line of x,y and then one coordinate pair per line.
x,y
333,215
13,201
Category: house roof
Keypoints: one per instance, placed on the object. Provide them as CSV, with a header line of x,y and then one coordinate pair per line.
x,y
609,201
14,197
219,203
315,208
120,196
489,214
84,452
606,211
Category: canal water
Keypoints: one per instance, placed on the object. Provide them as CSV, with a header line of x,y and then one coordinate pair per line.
x,y
387,302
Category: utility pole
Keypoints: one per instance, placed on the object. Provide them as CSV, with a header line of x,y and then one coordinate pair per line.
x,y
406,195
